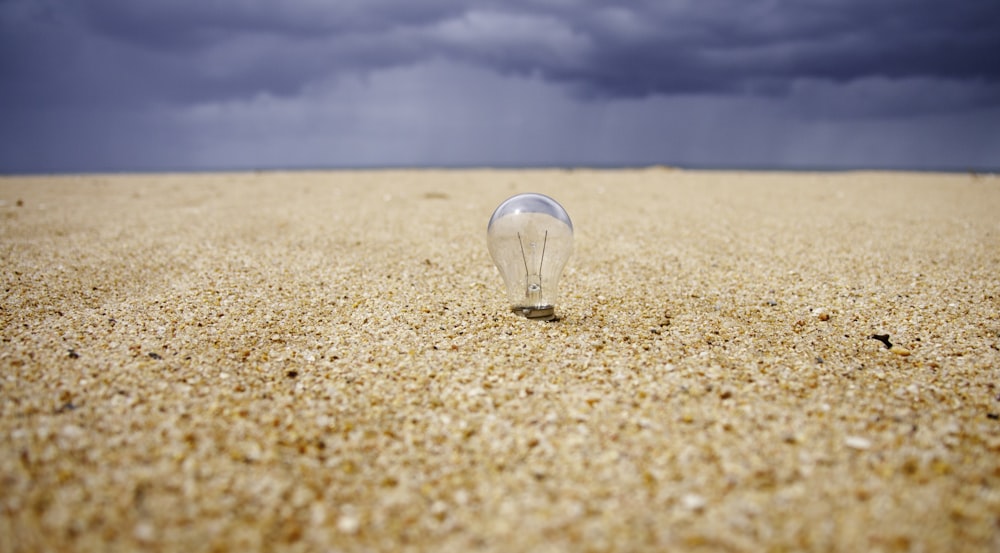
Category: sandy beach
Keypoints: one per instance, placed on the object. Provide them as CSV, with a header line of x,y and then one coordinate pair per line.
x,y
326,361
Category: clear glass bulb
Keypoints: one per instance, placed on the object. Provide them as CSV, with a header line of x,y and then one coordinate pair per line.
x,y
530,237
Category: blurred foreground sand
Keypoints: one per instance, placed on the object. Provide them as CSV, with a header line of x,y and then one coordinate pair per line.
x,y
299,361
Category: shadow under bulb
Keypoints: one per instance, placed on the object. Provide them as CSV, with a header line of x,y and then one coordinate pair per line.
x,y
530,237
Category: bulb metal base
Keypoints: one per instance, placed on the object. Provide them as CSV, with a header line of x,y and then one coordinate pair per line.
x,y
537,313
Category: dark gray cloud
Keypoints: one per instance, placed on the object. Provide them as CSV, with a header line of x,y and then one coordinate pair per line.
x,y
186,50
121,69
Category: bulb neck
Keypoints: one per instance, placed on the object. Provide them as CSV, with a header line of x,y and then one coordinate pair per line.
x,y
537,313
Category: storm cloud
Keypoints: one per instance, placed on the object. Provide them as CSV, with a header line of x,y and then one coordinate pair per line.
x,y
107,84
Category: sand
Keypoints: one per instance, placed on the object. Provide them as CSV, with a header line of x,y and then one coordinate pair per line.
x,y
327,361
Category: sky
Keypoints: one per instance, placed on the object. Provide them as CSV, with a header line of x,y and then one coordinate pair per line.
x,y
153,85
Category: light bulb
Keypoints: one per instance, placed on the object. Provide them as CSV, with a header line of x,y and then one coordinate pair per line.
x,y
530,237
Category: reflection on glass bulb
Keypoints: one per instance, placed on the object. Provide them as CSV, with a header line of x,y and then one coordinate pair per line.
x,y
530,237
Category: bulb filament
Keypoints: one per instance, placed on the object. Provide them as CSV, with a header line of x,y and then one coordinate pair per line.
x,y
533,282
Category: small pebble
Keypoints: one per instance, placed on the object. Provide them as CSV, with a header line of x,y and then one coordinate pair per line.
x,y
693,502
903,352
884,338
439,508
348,523
857,442
144,532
